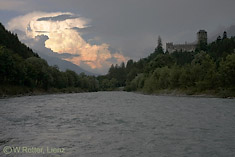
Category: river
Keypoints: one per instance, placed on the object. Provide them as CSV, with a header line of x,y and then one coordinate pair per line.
x,y
117,124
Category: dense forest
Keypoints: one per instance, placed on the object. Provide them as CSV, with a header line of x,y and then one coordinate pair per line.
x,y
23,71
210,69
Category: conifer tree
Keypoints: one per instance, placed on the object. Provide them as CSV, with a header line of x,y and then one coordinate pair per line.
x,y
225,35
159,48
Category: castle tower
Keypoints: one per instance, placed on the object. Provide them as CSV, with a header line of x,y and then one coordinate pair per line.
x,y
169,47
202,37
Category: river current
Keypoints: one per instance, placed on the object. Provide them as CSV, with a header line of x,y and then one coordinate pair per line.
x,y
117,124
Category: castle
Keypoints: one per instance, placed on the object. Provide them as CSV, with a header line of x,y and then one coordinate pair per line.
x,y
201,38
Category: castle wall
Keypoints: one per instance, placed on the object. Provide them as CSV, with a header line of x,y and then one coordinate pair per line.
x,y
180,47
202,37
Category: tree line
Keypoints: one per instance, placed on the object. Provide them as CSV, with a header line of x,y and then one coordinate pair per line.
x,y
210,68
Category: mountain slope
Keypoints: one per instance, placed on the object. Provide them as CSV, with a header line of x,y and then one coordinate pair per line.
x,y
62,64
11,41
23,71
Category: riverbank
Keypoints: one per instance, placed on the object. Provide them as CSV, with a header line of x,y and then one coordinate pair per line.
x,y
190,93
19,91
8,91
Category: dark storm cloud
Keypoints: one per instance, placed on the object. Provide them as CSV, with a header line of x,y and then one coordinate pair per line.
x,y
133,26
58,18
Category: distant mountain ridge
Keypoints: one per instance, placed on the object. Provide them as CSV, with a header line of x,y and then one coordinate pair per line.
x,y
11,41
62,64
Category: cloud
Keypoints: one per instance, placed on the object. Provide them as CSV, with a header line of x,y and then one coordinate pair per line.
x,y
63,36
58,18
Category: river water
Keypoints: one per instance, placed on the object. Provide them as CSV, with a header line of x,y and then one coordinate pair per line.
x,y
117,124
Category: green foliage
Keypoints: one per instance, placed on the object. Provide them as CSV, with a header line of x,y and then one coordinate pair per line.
x,y
119,73
11,71
159,61
203,71
136,83
158,50
219,49
193,72
37,72
185,79
148,85
227,71
182,58
106,84
175,73
72,78
11,42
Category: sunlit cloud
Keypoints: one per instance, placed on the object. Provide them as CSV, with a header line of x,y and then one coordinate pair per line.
x,y
64,38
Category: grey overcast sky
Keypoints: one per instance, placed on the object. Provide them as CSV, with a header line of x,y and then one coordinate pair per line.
x,y
131,27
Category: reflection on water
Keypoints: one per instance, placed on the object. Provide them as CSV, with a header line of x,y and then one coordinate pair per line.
x,y
117,124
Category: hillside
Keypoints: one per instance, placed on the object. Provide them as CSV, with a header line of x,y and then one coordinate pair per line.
x,y
210,69
23,71
62,64
11,42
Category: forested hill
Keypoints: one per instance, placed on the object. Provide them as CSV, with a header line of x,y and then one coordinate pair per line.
x,y
11,42
23,71
210,69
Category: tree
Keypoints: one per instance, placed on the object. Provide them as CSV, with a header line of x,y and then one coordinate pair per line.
x,y
203,71
225,35
227,71
38,73
159,48
159,61
6,65
123,65
182,57
72,78
136,83
129,64
175,73
185,79
218,38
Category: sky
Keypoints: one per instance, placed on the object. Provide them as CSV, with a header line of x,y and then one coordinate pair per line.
x,y
98,33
